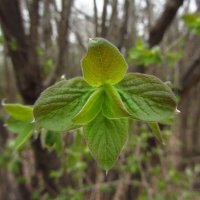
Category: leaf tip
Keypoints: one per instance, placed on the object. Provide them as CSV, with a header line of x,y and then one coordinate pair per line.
x,y
3,102
163,142
5,125
62,77
95,41
33,121
168,83
177,111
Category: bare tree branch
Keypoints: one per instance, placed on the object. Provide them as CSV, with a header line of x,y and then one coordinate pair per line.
x,y
63,42
47,30
114,11
28,79
33,38
191,76
161,25
104,16
96,25
80,41
87,17
149,9
123,33
158,30
114,26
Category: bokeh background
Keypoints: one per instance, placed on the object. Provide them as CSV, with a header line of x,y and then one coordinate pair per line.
x,y
40,40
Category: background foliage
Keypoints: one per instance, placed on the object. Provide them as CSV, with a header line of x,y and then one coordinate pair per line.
x,y
40,40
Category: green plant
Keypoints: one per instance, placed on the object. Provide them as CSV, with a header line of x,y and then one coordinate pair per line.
x,y
192,21
144,55
20,121
103,101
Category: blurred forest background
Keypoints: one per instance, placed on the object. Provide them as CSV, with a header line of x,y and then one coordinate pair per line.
x,y
40,40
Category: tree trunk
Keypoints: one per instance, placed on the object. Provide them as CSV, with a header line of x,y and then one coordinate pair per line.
x,y
27,71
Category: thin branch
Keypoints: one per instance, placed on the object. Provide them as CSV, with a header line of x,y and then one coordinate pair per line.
x,y
63,41
191,76
47,30
114,11
124,24
96,25
104,16
113,27
158,30
87,17
33,38
80,41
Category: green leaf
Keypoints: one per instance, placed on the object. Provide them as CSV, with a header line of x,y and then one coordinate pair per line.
x,y
17,126
19,112
22,128
58,104
113,106
40,52
106,138
192,20
156,131
146,97
23,137
20,118
103,63
52,140
144,55
91,108
168,121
